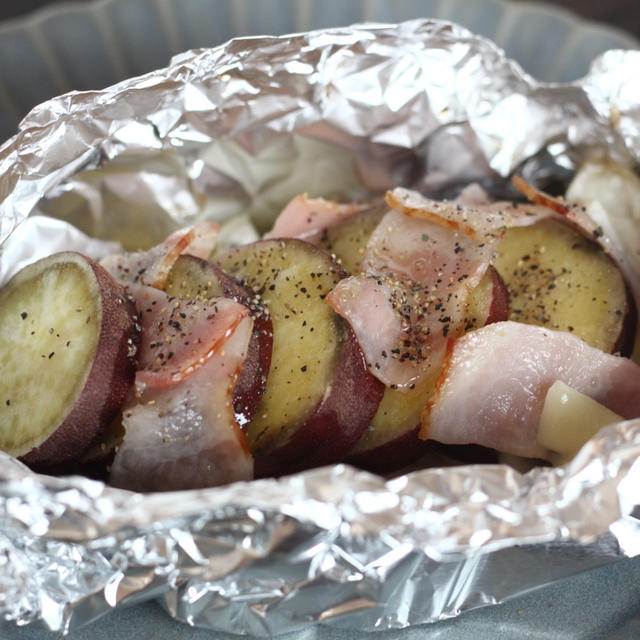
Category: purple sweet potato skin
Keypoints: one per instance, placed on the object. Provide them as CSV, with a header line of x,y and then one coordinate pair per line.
x,y
337,422
253,377
108,384
627,338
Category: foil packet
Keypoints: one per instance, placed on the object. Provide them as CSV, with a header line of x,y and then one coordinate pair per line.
x,y
232,133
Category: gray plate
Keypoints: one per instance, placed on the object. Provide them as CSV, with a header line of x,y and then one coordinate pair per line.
x,y
602,603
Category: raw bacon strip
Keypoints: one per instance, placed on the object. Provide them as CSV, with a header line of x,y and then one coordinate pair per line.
x,y
303,216
450,214
471,213
421,264
576,216
418,275
186,436
411,296
180,429
202,240
180,335
152,267
494,381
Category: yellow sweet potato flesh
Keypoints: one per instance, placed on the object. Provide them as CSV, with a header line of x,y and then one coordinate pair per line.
x,y
347,239
292,277
50,330
560,280
189,278
398,413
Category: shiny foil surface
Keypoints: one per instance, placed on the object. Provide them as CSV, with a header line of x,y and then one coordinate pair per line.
x,y
237,131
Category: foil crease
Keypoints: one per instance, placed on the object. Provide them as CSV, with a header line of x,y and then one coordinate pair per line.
x,y
238,130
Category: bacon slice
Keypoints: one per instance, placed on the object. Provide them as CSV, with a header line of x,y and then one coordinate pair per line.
x,y
180,429
494,381
304,217
180,335
411,296
421,264
472,211
152,267
419,269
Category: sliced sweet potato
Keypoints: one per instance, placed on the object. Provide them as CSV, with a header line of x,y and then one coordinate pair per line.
x,y
488,302
560,280
391,441
347,239
319,396
67,358
193,277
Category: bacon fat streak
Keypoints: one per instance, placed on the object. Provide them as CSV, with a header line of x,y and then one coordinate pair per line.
x,y
494,381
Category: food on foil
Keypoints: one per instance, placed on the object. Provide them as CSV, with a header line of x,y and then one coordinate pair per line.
x,y
502,409
180,425
241,129
534,263
320,395
67,358
359,332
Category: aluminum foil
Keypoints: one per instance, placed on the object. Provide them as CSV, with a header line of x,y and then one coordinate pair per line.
x,y
237,130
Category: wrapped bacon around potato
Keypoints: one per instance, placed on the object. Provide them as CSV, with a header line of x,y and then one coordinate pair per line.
x,y
356,332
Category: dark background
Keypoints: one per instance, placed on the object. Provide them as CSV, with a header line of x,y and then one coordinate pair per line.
x,y
620,13
624,14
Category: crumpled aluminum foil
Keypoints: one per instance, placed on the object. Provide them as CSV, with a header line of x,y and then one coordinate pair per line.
x,y
238,130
